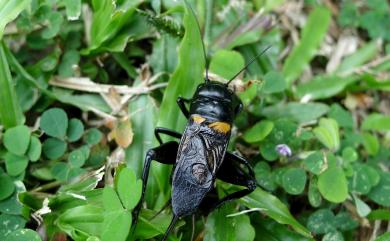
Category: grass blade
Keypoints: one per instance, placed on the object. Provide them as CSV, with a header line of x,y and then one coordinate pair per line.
x,y
10,111
274,208
9,10
312,35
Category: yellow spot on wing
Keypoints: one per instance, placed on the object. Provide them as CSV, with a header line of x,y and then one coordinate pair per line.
x,y
198,119
220,126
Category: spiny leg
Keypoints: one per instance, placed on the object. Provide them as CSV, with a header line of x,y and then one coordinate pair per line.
x,y
166,131
231,172
165,154
181,102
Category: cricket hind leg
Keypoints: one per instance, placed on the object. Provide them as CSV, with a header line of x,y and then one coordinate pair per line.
x,y
232,172
166,131
165,154
181,103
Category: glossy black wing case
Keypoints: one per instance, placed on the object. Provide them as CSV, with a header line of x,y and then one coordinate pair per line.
x,y
200,154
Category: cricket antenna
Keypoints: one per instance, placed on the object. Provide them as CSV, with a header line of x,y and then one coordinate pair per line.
x,y
171,225
201,39
249,63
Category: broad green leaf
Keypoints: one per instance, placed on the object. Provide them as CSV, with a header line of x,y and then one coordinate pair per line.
x,y
163,58
116,225
311,37
75,172
376,122
342,116
93,136
243,228
60,171
218,227
111,201
322,87
299,112
314,195
9,10
35,149
98,155
258,132
77,158
361,207
10,112
68,61
268,151
54,148
349,154
10,223
344,221
93,238
264,176
12,205
315,162
187,76
15,164
86,220
17,139
27,96
321,221
54,122
333,236
75,130
108,22
379,214
244,39
73,9
363,179
43,173
373,84
149,227
284,132
128,188
348,14
50,62
249,94
23,235
358,58
7,186
370,143
273,83
380,193
294,181
383,237
143,120
274,208
332,184
328,133
226,63
268,230
54,22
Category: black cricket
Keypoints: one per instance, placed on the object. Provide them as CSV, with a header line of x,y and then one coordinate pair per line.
x,y
200,157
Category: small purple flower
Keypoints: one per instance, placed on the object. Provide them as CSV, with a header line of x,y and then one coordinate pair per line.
x,y
283,150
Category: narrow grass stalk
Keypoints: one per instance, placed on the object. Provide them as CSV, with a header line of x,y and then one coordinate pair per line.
x,y
10,110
